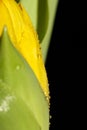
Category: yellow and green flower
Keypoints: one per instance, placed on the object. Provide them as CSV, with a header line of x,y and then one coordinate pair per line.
x,y
24,90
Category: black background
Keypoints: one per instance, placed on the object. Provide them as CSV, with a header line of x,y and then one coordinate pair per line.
x,y
66,66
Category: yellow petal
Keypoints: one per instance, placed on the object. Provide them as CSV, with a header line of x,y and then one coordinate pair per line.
x,y
24,38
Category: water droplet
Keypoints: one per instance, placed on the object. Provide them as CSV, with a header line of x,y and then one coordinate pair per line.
x,y
50,117
17,67
39,55
49,123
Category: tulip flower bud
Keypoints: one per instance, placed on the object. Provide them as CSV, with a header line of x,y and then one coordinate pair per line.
x,y
24,38
24,92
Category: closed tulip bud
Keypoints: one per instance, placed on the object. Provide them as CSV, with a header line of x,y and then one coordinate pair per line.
x,y
24,38
24,92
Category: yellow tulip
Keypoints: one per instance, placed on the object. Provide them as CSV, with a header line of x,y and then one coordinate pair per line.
x,y
24,38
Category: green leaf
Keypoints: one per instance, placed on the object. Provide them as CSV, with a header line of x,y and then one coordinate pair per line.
x,y
31,7
42,13
43,17
22,83
52,6
38,11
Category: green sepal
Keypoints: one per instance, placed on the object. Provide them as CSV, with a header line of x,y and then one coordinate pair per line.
x,y
23,84
14,113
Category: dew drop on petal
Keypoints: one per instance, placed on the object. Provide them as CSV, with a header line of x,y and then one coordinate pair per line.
x,y
17,67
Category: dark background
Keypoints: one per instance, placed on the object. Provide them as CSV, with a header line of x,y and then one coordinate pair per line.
x,y
66,66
